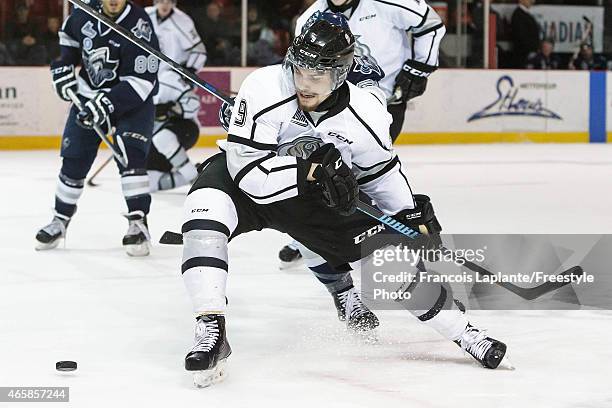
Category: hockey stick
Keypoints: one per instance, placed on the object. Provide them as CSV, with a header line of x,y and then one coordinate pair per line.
x,y
584,40
90,182
135,40
525,293
173,238
119,154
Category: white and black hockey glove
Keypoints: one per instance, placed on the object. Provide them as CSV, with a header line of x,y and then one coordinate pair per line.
x,y
422,219
95,112
225,114
412,79
168,110
339,184
64,78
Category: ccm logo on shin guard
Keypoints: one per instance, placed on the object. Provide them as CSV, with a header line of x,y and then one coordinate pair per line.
x,y
369,233
199,210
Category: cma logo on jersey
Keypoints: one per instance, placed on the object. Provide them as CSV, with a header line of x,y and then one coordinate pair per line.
x,y
100,68
371,16
510,103
301,147
142,30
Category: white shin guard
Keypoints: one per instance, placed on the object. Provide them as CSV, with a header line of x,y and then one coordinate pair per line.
x,y
209,219
205,270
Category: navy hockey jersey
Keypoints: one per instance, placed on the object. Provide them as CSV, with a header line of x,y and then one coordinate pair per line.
x,y
109,62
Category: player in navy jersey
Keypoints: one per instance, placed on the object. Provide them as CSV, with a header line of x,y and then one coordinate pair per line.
x,y
115,84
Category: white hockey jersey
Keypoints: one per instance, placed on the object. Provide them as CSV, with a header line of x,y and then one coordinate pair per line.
x,y
380,28
269,137
178,39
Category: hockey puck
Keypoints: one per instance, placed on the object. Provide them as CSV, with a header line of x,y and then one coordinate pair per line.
x,y
66,365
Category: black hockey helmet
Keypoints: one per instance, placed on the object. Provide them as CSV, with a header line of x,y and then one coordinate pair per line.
x,y
325,44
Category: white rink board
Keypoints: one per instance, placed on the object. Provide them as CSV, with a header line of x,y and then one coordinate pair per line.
x,y
454,96
28,105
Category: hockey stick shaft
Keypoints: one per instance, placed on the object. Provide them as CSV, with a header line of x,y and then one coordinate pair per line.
x,y
525,293
173,238
98,171
116,152
192,77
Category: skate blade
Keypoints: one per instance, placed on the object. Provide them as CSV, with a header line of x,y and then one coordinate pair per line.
x,y
506,364
45,247
206,378
143,249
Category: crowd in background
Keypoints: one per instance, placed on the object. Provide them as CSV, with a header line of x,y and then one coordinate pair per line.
x,y
30,36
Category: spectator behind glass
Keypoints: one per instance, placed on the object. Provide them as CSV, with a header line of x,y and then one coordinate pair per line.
x,y
586,60
220,37
5,56
261,40
544,59
22,38
525,34
50,38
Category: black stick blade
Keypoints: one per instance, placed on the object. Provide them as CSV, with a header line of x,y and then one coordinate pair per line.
x,y
171,238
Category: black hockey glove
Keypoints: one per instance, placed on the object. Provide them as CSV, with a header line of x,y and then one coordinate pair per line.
x,y
64,78
340,188
422,219
95,111
168,110
225,114
412,79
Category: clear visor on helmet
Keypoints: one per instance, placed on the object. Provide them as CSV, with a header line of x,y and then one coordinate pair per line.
x,y
315,80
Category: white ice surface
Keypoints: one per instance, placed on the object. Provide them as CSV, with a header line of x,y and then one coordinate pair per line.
x,y
128,322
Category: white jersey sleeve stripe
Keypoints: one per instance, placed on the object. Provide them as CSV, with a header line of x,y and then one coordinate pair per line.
x,y
246,169
141,86
251,143
68,41
266,110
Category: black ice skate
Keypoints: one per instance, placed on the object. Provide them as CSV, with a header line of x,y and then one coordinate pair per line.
x,y
137,241
289,257
486,350
208,357
50,236
352,311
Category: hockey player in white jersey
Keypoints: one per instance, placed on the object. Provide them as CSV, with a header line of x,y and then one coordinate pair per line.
x,y
302,145
176,103
381,33
380,28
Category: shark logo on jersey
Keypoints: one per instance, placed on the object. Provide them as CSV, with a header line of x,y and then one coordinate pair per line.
x,y
301,147
362,49
299,118
142,30
366,66
100,68
88,30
